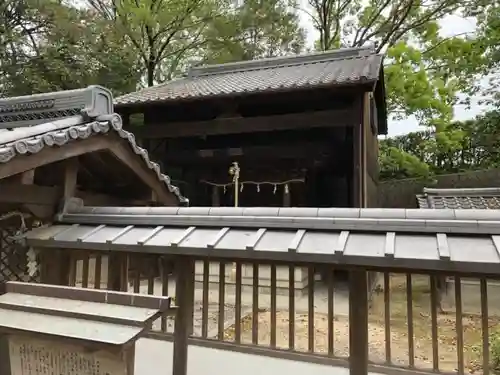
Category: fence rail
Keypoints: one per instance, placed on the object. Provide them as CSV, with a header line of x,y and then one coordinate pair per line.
x,y
429,322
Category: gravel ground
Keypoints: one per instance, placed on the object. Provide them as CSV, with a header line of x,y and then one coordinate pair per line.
x,y
212,321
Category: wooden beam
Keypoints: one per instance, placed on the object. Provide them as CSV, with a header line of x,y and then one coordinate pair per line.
x,y
129,158
48,195
332,118
115,145
29,194
50,155
21,180
70,177
295,150
27,178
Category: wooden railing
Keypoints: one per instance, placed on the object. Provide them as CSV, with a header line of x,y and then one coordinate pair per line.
x,y
407,321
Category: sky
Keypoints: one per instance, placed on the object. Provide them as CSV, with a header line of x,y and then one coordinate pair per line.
x,y
450,25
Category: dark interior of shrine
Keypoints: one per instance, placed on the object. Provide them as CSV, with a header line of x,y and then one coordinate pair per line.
x,y
313,164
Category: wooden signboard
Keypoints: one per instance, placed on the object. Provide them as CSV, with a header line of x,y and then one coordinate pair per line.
x,y
53,330
31,356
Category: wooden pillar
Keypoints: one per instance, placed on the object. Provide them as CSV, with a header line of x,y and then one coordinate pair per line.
x,y
56,265
358,322
28,178
286,196
66,261
365,133
357,183
215,197
184,294
70,177
118,263
4,355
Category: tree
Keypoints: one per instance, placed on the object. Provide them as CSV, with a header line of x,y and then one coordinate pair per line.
x,y
488,30
163,33
256,29
461,146
424,70
20,26
77,48
397,164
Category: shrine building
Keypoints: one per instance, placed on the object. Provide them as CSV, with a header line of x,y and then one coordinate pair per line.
x,y
302,130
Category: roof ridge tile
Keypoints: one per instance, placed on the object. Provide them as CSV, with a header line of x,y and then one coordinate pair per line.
x,y
279,62
35,138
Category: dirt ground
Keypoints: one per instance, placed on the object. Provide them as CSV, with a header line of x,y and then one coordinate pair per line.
x,y
399,330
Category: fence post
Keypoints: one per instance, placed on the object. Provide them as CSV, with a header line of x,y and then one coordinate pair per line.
x,y
118,263
54,266
184,299
358,322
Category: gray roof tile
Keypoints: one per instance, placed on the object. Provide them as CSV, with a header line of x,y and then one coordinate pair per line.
x,y
33,139
373,246
476,198
374,219
338,67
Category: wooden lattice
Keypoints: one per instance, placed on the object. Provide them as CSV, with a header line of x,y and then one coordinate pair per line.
x,y
17,261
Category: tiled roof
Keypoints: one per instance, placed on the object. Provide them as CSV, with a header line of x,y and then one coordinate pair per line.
x,y
480,198
379,238
338,67
31,140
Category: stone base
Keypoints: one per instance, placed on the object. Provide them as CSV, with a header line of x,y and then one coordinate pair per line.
x,y
282,280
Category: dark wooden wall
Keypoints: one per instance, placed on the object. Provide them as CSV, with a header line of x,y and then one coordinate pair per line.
x,y
323,136
371,149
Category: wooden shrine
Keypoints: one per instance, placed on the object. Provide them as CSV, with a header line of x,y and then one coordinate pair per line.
x,y
303,129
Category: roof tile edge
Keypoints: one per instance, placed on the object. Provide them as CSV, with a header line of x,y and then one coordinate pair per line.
x,y
274,62
376,219
462,191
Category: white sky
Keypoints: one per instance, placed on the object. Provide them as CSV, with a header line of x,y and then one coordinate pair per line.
x,y
451,25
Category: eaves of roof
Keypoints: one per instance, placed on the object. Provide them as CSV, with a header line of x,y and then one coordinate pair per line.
x,y
61,133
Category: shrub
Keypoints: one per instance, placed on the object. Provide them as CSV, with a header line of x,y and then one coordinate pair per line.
x,y
495,351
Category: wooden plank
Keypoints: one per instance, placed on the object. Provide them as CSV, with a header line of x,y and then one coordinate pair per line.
x,y
47,195
331,118
62,327
70,177
295,150
357,180
27,354
4,355
102,312
365,132
118,265
184,292
161,303
27,178
52,154
358,323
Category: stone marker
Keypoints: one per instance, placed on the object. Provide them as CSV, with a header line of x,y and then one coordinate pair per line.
x,y
53,330
31,356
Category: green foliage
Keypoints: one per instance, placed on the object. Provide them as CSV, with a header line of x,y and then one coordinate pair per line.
x,y
460,146
71,48
256,29
164,34
495,351
398,164
170,35
424,70
488,30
